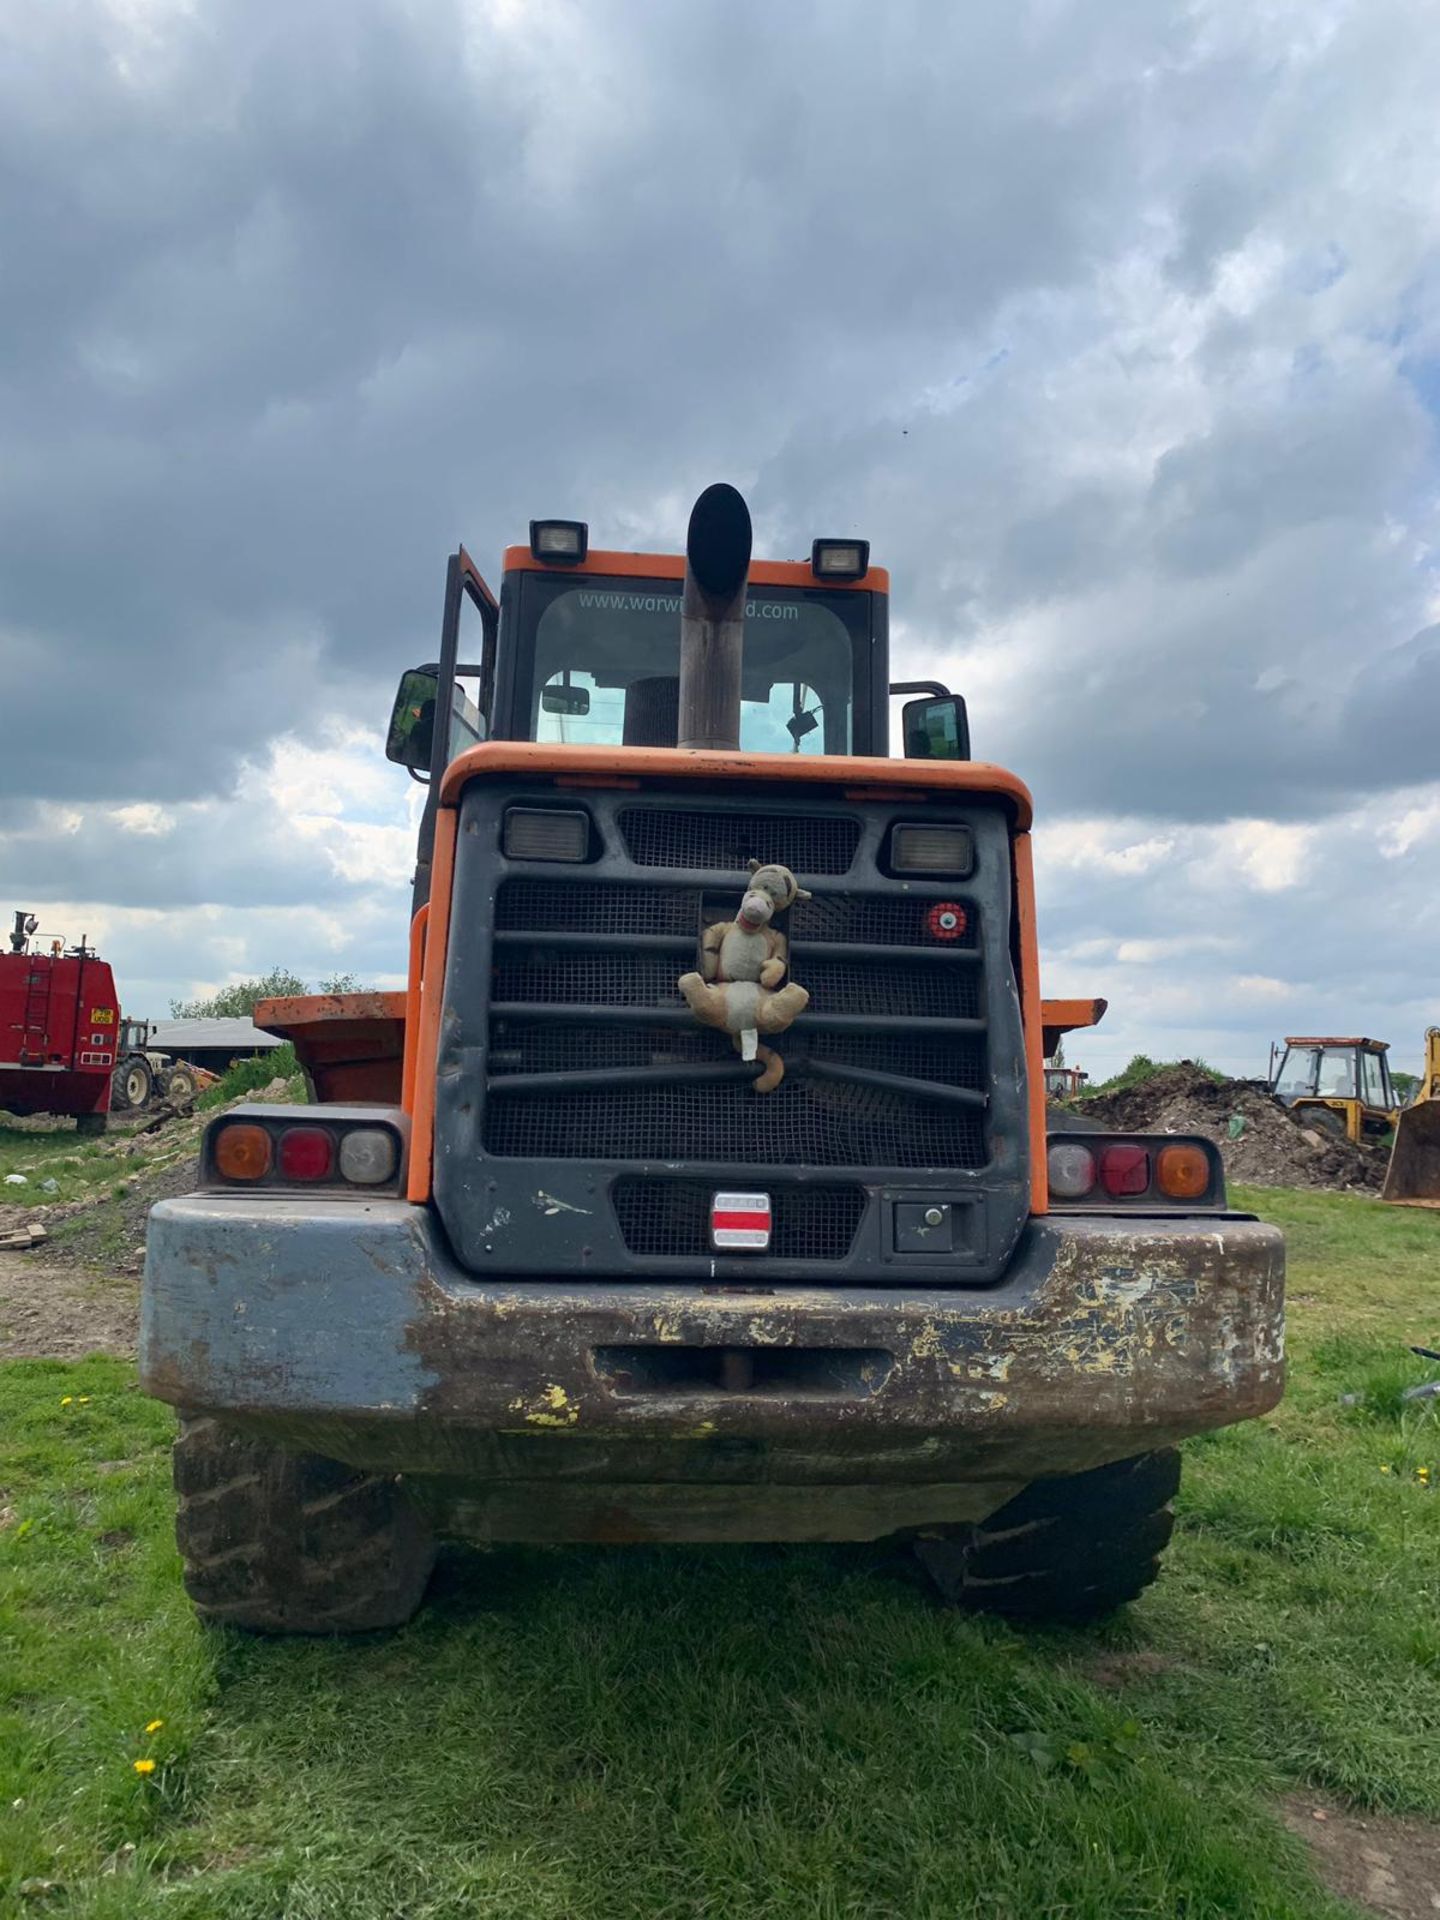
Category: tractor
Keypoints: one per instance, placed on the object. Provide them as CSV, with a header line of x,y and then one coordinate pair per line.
x,y
1341,1086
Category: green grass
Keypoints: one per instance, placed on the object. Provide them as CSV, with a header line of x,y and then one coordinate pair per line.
x,y
51,1150
597,1733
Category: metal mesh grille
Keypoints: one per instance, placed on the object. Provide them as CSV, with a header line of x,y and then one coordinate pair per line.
x,y
534,1046
672,1218
918,989
554,976
723,841
568,906
870,922
802,1123
537,1046
956,1060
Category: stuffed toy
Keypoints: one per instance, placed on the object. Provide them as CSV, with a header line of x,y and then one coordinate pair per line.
x,y
742,964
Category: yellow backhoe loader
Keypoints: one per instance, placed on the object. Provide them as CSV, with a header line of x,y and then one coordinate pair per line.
x,y
1413,1178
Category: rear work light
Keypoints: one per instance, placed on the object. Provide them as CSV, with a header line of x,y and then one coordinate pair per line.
x,y
281,1149
545,833
1159,1174
840,559
926,849
565,541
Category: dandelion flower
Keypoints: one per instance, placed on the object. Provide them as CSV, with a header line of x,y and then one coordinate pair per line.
x,y
144,1766
67,1400
83,1401
1384,1469
154,1726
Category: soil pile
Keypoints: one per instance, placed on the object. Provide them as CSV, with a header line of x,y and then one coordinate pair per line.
x,y
1260,1141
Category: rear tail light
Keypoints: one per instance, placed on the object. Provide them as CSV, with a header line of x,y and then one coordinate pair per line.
x,y
1125,1170
1107,1175
306,1153
1182,1172
1072,1170
276,1149
369,1156
242,1152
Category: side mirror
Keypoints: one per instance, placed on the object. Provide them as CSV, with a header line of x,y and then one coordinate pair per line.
x,y
936,729
410,740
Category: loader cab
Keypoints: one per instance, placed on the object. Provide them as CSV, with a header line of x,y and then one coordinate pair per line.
x,y
582,648
1339,1084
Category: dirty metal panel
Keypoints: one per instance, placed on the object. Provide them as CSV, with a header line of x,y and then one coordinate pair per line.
x,y
353,1322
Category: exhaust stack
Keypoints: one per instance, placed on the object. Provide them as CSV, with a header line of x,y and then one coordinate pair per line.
x,y
712,619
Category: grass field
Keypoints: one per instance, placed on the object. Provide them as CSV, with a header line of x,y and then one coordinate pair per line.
x,y
744,1732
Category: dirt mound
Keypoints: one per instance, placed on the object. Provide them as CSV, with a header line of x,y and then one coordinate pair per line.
x,y
1259,1140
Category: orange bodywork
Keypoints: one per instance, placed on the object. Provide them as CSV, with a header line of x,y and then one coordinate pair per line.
x,y
351,1044
1065,1016
671,566
624,766
629,767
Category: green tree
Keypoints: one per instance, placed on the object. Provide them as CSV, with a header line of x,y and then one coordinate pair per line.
x,y
237,1001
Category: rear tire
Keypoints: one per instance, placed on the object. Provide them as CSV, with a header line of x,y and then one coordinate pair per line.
x,y
130,1085
1066,1549
279,1542
181,1088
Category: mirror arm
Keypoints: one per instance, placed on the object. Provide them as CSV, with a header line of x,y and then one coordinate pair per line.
x,y
936,688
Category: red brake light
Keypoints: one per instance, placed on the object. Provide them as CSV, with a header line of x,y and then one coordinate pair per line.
x,y
306,1153
1125,1169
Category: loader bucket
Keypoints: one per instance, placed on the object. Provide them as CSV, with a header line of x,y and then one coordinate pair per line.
x,y
1413,1177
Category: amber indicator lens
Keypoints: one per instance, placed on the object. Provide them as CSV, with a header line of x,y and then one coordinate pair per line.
x,y
242,1152
306,1153
1183,1172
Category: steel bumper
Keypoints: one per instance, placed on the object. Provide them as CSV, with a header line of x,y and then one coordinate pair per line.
x,y
597,1411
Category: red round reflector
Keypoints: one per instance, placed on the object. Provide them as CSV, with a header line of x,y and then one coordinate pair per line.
x,y
1125,1169
306,1153
946,920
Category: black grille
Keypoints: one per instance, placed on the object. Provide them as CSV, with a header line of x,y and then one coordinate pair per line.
x,y
535,1046
672,1218
804,1122
540,1046
560,906
724,841
954,1059
555,975
875,922
917,989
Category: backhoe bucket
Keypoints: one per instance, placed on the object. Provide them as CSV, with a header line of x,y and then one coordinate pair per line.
x,y
1413,1178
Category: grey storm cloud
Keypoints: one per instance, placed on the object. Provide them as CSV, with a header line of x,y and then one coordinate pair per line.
x,y
296,297
1108,326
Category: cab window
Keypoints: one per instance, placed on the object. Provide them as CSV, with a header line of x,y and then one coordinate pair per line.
x,y
599,665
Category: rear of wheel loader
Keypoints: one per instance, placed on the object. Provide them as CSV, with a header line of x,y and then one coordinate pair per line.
x,y
1413,1177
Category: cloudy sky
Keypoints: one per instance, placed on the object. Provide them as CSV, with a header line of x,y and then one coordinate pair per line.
x,y
1116,328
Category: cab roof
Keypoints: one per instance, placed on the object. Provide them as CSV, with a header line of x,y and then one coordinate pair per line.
x,y
1335,1040
671,566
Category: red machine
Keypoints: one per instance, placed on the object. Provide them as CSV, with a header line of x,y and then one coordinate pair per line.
x,y
59,1021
